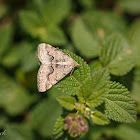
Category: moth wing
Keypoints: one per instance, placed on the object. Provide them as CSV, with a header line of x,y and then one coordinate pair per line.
x,y
43,53
60,71
43,81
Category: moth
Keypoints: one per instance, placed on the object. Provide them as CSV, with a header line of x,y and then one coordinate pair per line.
x,y
55,65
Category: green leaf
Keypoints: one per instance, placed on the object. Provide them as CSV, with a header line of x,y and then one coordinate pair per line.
x,y
55,36
99,118
125,132
67,102
28,57
14,98
101,24
38,5
136,85
83,40
58,131
17,132
117,56
94,89
95,65
12,57
44,115
119,105
70,84
130,6
133,37
34,24
23,54
54,11
5,38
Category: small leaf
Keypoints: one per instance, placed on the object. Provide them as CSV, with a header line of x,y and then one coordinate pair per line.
x,y
83,40
119,105
70,84
93,90
67,102
58,131
99,118
117,55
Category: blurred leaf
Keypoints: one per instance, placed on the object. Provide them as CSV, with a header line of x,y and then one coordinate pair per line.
x,y
55,36
14,98
3,120
83,40
133,37
126,80
125,132
34,24
95,65
55,11
23,54
3,10
69,47
44,115
28,57
102,24
30,62
119,105
70,84
17,132
94,133
67,102
12,57
117,55
99,118
87,4
94,89
136,85
58,129
130,6
38,5
5,38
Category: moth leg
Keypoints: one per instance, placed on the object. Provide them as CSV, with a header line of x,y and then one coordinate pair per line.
x,y
71,73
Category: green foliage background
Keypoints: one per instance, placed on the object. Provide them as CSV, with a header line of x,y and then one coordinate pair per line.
x,y
103,32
